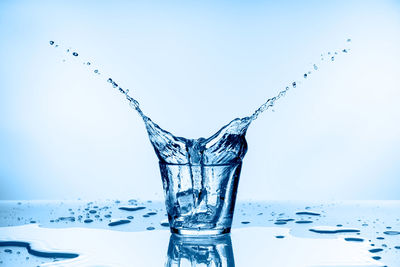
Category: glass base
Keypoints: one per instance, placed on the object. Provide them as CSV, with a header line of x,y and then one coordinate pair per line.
x,y
200,232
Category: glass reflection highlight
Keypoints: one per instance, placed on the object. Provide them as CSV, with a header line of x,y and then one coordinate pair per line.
x,y
200,251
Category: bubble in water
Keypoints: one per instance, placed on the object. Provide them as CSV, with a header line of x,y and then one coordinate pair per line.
x,y
75,54
51,42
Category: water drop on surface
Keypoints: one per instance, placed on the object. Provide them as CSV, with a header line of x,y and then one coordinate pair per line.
x,y
150,228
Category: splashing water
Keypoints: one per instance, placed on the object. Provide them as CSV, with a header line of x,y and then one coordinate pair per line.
x,y
226,146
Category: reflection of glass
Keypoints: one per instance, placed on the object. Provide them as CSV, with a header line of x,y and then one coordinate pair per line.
x,y
200,251
200,199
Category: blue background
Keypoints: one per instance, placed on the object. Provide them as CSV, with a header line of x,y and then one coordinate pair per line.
x,y
194,66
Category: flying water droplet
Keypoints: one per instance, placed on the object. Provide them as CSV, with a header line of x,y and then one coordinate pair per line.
x,y
75,54
51,42
294,84
333,58
315,67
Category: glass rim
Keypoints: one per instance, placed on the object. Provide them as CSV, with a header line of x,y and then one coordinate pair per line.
x,y
199,165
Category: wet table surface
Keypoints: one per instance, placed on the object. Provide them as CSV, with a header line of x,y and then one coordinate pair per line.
x,y
136,233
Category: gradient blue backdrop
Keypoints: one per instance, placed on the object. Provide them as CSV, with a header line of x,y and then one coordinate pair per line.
x,y
194,66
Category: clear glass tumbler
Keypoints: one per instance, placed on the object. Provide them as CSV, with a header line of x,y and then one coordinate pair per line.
x,y
200,199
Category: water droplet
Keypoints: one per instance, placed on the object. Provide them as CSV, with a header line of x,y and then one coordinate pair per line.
x,y
92,211
88,221
51,42
349,40
305,75
391,233
56,45
75,54
303,222
279,236
114,84
165,224
131,208
294,84
375,250
308,213
334,231
96,71
333,58
315,67
109,80
150,228
88,63
245,222
118,222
